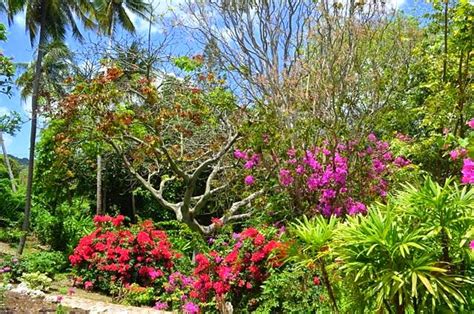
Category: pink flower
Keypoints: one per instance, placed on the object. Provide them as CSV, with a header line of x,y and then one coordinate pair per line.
x,y
471,245
372,137
240,154
249,180
470,123
190,308
285,177
88,285
155,274
70,291
468,171
454,154
160,306
401,161
291,153
249,164
300,169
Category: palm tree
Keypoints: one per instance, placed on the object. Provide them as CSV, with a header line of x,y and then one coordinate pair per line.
x,y
109,14
46,19
56,67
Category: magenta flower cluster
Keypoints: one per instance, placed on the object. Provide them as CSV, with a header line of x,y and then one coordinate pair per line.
x,y
250,162
333,179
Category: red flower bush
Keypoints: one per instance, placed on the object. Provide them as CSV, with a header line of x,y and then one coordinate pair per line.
x,y
114,253
240,271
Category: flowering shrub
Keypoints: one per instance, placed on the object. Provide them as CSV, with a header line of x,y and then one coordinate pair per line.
x,y
238,273
113,254
328,180
466,155
233,272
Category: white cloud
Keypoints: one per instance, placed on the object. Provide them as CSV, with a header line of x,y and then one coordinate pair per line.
x,y
161,9
20,19
26,106
396,4
4,111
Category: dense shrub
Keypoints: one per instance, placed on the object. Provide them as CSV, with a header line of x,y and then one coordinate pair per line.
x,y
116,255
63,226
12,204
49,263
232,272
331,179
138,260
293,290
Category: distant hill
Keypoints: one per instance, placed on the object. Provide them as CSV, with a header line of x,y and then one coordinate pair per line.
x,y
21,161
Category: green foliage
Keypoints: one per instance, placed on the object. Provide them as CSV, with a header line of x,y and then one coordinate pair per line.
x,y
138,296
10,123
445,213
49,263
395,262
7,68
12,204
292,291
10,235
36,281
187,64
62,227
183,240
315,233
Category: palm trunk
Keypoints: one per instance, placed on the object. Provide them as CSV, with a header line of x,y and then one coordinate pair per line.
x,y
7,163
34,115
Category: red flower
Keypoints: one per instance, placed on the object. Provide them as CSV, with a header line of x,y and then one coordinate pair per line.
x,y
259,239
316,281
117,221
217,222
249,233
143,238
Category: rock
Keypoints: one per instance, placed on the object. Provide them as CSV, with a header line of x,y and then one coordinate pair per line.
x,y
23,289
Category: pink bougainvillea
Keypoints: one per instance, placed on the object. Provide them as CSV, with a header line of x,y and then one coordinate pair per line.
x,y
468,171
333,179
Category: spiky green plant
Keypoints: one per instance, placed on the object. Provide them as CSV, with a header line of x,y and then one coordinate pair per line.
x,y
392,265
315,235
445,213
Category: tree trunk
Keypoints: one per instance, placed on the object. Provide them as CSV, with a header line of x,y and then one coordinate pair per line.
x,y
326,281
134,208
7,163
99,185
34,115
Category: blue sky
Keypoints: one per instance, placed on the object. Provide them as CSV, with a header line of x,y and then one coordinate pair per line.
x,y
18,46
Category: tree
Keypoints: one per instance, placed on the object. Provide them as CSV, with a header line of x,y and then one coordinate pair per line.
x,y
109,14
45,19
56,68
9,124
7,68
313,68
175,140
